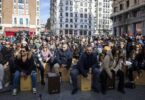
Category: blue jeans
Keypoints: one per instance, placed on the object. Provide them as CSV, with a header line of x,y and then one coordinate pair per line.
x,y
16,79
95,79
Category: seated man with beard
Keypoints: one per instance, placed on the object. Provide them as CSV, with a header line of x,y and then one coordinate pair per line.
x,y
63,58
88,60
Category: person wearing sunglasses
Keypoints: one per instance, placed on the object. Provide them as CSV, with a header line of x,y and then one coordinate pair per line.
x,y
24,63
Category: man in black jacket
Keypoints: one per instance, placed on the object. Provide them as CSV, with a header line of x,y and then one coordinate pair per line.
x,y
63,58
88,61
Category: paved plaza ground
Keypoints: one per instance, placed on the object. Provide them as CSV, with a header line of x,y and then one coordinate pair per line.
x,y
65,94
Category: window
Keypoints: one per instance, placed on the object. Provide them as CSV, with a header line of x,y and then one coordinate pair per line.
x,y
66,20
71,14
15,6
81,15
135,1
15,20
66,25
81,26
66,8
66,14
14,1
21,1
27,2
61,14
37,2
71,20
75,15
127,4
121,6
81,3
66,2
0,20
61,20
21,6
71,26
37,21
37,8
85,15
27,22
71,9
100,9
71,3
21,21
60,25
115,9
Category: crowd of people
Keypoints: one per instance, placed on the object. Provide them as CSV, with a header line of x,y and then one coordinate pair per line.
x,y
103,56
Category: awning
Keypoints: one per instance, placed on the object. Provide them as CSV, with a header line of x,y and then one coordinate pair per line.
x,y
9,31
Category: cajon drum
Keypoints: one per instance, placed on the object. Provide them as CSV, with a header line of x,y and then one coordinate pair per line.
x,y
64,74
46,69
86,83
53,83
111,82
26,84
139,77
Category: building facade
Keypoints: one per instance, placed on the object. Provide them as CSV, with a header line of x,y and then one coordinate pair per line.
x,y
73,17
19,15
128,16
103,13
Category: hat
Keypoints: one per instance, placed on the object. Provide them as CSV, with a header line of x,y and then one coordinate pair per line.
x,y
107,48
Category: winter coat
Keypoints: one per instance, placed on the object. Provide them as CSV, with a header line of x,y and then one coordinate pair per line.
x,y
28,66
86,62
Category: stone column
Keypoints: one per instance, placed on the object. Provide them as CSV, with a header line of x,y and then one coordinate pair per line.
x,y
143,28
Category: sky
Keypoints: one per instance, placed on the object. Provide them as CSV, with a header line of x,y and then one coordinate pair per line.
x,y
44,11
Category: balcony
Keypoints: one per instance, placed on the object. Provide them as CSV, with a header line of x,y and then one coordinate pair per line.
x,y
129,9
130,20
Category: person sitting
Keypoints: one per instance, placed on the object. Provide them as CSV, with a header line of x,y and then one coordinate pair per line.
x,y
87,61
24,66
63,58
44,57
111,67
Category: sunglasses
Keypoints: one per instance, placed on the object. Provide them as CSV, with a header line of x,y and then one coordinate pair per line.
x,y
23,50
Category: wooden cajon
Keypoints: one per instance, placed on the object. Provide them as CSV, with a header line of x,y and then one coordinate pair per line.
x,y
139,77
25,84
53,83
64,74
86,83
46,69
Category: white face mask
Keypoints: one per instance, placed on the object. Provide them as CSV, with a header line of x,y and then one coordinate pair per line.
x,y
100,50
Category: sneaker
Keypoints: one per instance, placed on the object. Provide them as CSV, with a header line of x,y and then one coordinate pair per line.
x,y
14,92
43,82
74,91
34,90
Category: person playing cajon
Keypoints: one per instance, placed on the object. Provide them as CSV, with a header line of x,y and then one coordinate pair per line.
x,y
88,60
24,68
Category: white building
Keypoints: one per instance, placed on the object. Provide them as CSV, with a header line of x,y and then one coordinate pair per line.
x,y
103,13
73,17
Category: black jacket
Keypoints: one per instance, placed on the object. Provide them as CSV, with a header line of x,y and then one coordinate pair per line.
x,y
87,61
27,67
